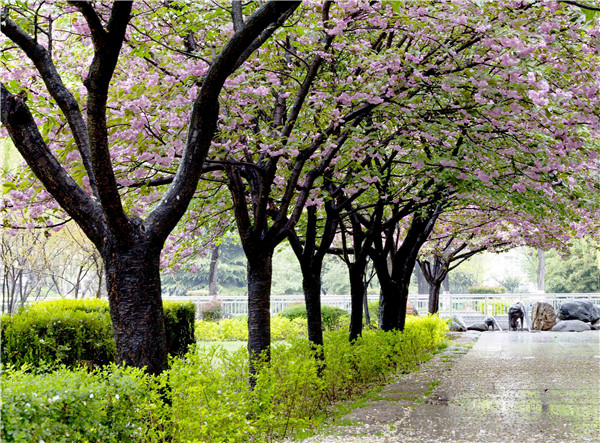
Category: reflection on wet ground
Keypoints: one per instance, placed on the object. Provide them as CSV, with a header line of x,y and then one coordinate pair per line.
x,y
516,386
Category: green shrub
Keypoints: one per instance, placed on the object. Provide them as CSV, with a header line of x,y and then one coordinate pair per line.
x,y
180,322
374,313
294,311
211,310
67,405
70,332
285,329
487,290
331,316
236,328
210,399
227,329
54,335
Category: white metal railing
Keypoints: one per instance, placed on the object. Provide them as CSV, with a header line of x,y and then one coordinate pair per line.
x,y
466,305
238,304
494,304
472,307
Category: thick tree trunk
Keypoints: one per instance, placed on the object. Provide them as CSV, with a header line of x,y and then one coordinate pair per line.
x,y
311,284
403,283
357,295
389,305
446,284
541,271
394,291
133,283
403,261
421,281
213,273
366,308
260,272
434,297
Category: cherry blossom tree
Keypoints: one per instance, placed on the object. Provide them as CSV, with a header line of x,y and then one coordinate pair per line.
x,y
84,158
496,126
466,231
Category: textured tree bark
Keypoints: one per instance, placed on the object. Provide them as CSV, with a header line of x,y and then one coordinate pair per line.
x,y
366,307
403,292
213,272
357,295
541,271
133,282
435,276
397,281
311,284
434,297
389,306
260,271
421,281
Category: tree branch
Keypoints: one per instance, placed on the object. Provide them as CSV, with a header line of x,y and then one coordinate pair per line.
x,y
65,100
107,47
17,118
580,5
205,112
237,15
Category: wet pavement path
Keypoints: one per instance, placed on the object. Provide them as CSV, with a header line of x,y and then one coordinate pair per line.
x,y
511,386
515,386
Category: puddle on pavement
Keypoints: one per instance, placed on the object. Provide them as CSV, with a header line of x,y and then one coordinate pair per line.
x,y
515,382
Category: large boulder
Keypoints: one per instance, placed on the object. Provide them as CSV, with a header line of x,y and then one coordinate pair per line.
x,y
543,316
457,324
571,326
481,327
579,310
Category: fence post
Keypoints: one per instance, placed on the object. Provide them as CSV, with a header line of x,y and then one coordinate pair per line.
x,y
450,299
485,306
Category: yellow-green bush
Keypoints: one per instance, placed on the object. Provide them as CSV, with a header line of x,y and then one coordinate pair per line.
x,y
493,307
236,328
210,399
110,405
332,317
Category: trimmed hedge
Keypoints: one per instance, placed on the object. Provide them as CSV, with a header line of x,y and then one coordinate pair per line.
x,y
180,321
65,332
71,332
331,316
487,290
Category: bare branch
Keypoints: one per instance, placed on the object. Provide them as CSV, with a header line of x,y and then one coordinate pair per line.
x,y
581,5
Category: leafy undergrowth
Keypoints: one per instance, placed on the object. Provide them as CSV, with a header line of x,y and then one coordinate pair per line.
x,y
236,328
205,397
